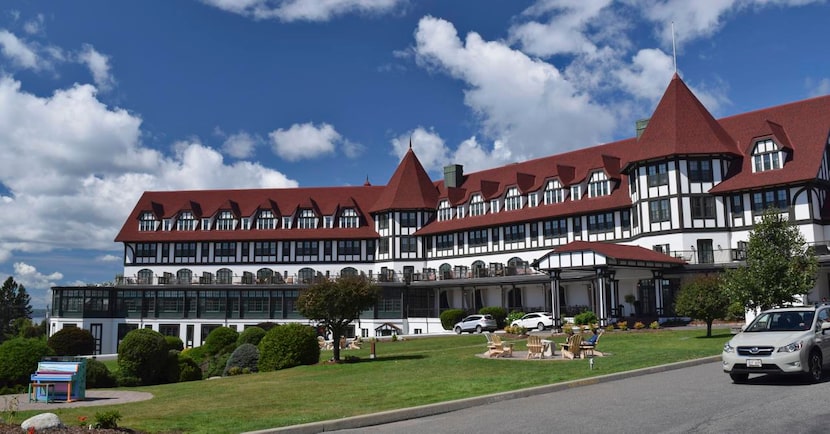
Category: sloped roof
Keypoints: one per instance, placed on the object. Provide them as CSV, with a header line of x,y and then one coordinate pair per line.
x,y
681,125
409,188
618,252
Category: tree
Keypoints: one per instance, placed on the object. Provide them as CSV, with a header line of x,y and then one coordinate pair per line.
x,y
703,298
14,304
779,266
334,304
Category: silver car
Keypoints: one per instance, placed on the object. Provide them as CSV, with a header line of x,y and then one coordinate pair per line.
x,y
476,323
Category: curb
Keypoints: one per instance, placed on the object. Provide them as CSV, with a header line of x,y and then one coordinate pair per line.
x,y
459,404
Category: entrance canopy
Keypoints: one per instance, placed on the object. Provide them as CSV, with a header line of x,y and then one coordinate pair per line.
x,y
579,259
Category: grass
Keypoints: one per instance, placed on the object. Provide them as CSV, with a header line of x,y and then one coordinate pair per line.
x,y
404,374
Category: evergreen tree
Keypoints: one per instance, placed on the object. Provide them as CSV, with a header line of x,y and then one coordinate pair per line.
x,y
14,305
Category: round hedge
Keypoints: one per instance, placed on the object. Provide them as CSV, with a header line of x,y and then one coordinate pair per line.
x,y
18,360
243,359
497,312
221,340
98,376
142,358
287,346
251,335
188,369
72,341
174,343
451,316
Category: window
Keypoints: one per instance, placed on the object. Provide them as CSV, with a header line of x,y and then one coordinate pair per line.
x,y
662,248
514,233
512,200
224,275
444,241
409,244
737,205
306,248
494,206
554,193
555,228
703,207
477,237
700,171
224,251
766,156
658,174
286,222
266,220
598,185
635,217
383,221
383,246
659,210
166,224
145,250
603,222
349,218
185,221
308,220
225,222
328,221
205,224
445,211
147,222
184,252
265,251
625,219
632,182
409,219
576,192
184,276
348,247
769,199
476,205
495,235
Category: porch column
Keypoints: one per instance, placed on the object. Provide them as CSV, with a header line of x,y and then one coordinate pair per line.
x,y
601,295
658,291
554,299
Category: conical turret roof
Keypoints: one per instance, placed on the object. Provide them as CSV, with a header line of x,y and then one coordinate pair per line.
x,y
409,187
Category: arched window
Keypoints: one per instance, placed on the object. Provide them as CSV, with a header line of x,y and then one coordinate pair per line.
x,y
445,271
348,271
184,276
263,275
479,269
306,275
145,276
224,275
766,156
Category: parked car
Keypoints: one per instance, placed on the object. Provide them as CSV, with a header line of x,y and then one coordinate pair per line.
x,y
791,340
476,323
535,320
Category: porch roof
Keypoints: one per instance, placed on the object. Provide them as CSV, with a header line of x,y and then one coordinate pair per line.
x,y
586,255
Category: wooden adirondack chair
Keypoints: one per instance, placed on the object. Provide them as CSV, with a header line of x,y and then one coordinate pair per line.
x,y
496,347
571,348
534,347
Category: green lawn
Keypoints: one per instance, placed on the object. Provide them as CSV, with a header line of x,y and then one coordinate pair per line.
x,y
405,373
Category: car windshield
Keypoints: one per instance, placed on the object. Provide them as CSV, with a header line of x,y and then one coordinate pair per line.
x,y
782,321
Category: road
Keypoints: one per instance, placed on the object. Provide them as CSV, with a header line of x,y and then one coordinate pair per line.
x,y
698,399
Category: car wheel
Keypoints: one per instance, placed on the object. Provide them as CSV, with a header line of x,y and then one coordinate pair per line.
x,y
815,367
458,330
540,327
478,329
739,378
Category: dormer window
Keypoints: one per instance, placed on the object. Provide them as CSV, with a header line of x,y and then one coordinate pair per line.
x,y
554,193
476,205
307,219
766,156
533,199
266,220
286,222
205,224
512,200
328,221
444,211
349,218
494,206
225,222
598,185
576,192
185,221
147,222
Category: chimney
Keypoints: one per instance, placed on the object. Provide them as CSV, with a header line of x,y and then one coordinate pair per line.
x,y
453,175
641,126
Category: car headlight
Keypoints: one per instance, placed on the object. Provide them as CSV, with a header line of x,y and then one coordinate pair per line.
x,y
728,348
792,347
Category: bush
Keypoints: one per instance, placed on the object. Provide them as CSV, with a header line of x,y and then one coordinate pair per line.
x,y
222,340
654,325
516,330
174,343
244,357
287,346
498,313
451,316
188,369
585,318
142,358
18,360
623,325
171,367
107,419
514,316
98,376
267,325
251,335
72,341
216,365
639,325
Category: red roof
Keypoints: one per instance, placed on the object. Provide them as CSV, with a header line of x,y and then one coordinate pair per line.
x,y
409,188
619,252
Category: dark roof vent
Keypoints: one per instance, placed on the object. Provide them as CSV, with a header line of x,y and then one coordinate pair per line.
x,y
453,175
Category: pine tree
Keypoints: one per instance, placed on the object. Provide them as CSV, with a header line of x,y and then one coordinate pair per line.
x,y
14,305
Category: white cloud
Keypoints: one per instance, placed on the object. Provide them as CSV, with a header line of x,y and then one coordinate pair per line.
x,y
304,10
34,26
648,75
524,104
564,33
35,282
304,141
241,145
427,144
109,258
98,65
79,167
18,51
818,87
352,149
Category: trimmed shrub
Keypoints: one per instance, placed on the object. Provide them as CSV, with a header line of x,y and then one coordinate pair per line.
x,y
498,313
171,367
72,341
245,358
216,365
222,340
585,318
98,376
142,358
18,360
188,369
287,346
174,343
451,316
513,316
251,335
267,325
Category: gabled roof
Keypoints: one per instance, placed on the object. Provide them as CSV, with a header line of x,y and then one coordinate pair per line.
x,y
681,125
618,254
409,188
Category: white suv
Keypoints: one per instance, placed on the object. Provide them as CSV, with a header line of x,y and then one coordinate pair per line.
x,y
790,340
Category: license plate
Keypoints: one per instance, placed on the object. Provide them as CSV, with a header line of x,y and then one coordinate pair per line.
x,y
753,363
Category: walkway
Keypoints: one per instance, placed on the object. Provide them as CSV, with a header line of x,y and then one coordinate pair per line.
x,y
93,398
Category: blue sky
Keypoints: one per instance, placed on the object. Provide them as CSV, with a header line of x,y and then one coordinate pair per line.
x,y
102,100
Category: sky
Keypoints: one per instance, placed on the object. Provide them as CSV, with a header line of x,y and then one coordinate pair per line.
x,y
101,100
